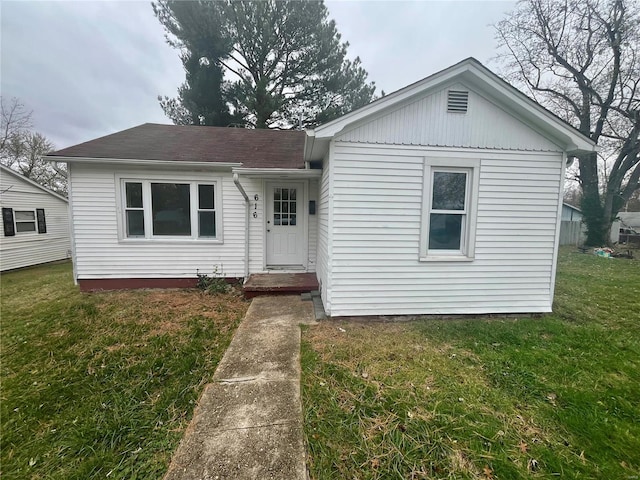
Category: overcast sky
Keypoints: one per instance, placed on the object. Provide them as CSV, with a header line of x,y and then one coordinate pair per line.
x,y
90,68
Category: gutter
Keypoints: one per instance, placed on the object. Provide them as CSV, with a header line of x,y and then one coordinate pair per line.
x,y
236,181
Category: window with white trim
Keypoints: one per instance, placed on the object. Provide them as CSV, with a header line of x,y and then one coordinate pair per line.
x,y
163,209
449,209
23,221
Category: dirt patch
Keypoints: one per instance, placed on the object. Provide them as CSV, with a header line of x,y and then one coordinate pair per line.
x,y
170,311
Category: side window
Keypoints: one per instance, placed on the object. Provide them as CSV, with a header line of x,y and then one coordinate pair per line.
x,y
450,197
134,210
448,213
206,211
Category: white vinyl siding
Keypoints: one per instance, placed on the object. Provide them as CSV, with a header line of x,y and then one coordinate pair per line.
x,y
102,254
323,211
313,226
376,231
425,121
31,248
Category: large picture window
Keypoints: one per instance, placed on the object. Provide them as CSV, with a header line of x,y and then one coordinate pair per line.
x,y
449,206
162,209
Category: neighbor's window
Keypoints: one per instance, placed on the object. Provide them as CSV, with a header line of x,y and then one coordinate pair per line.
x,y
25,221
155,209
450,195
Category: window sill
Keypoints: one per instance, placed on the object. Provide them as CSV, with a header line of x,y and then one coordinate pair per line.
x,y
206,241
447,258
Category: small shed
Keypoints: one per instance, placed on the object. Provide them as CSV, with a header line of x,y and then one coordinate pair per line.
x,y
35,223
571,213
572,230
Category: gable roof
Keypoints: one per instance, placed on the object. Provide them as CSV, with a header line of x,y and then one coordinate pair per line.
x,y
477,75
9,171
191,143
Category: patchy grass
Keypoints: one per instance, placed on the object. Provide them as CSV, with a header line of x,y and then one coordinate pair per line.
x,y
484,398
102,385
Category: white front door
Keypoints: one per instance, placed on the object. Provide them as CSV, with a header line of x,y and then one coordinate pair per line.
x,y
285,225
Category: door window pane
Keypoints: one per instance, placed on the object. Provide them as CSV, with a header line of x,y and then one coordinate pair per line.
x,y
170,204
284,206
445,231
449,191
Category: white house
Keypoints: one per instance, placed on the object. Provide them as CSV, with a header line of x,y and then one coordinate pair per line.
x,y
444,197
35,223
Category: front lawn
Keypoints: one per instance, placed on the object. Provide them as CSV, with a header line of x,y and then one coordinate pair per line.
x,y
102,385
502,398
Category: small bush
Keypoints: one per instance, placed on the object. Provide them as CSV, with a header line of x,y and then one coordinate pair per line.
x,y
213,284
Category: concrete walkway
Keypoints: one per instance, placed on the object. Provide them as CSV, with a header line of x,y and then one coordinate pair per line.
x,y
248,422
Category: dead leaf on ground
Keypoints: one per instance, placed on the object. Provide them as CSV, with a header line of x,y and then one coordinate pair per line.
x,y
488,473
523,447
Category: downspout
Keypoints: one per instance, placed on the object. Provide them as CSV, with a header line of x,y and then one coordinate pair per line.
x,y
236,180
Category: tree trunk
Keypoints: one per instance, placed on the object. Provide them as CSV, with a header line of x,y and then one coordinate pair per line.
x,y
592,209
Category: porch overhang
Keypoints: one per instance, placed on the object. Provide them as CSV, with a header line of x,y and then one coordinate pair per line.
x,y
278,173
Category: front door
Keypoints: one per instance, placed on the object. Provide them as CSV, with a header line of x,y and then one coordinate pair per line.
x,y
285,226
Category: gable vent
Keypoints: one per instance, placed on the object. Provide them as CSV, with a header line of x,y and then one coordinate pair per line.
x,y
457,101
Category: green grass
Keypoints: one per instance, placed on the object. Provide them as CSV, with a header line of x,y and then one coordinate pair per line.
x,y
102,385
502,398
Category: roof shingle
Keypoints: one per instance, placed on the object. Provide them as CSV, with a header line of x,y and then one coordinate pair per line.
x,y
150,141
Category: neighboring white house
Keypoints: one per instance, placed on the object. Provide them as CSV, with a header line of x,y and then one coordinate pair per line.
x,y
444,197
35,223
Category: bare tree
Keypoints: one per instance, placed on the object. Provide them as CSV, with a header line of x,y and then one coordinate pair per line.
x,y
14,121
22,149
581,59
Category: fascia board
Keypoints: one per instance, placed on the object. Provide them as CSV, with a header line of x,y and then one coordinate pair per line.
x,y
538,115
133,161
